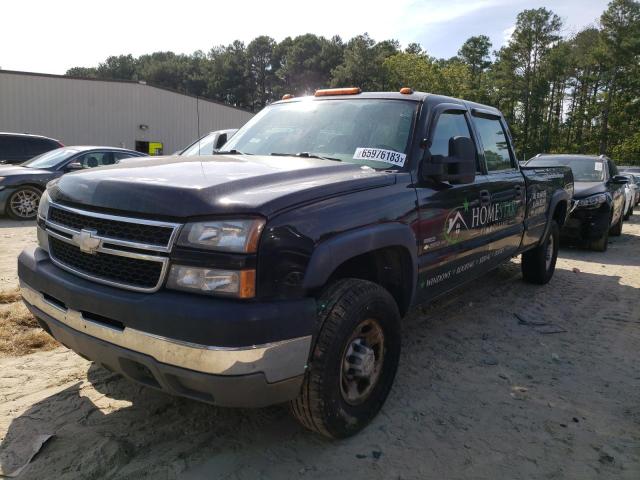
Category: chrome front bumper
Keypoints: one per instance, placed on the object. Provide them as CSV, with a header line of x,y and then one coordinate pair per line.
x,y
277,361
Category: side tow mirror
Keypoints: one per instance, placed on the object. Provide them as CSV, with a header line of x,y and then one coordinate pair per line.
x,y
458,168
620,179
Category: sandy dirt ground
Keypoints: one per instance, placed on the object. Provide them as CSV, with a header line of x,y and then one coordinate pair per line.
x,y
14,236
501,380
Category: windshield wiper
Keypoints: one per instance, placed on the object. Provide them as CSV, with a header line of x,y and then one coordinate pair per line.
x,y
304,155
230,152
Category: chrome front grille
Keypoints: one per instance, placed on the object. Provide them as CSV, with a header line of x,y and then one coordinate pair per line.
x,y
129,253
111,227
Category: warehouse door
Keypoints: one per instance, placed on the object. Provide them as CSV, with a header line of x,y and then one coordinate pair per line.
x,y
150,148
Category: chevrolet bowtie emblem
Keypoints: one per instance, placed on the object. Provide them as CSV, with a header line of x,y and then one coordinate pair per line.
x,y
87,241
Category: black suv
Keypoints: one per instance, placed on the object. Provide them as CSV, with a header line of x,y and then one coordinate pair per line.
x,y
20,147
598,202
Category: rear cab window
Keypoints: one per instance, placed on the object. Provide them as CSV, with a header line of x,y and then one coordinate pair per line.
x,y
495,143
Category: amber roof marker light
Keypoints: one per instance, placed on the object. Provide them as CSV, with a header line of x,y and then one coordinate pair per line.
x,y
287,96
406,90
338,91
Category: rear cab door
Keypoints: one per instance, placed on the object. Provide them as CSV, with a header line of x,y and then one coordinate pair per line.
x,y
501,214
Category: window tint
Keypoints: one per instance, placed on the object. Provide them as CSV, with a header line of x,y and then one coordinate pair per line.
x,y
613,170
94,159
36,146
494,142
449,125
120,155
11,147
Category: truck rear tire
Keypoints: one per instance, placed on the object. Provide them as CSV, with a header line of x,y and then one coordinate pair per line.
x,y
353,361
539,263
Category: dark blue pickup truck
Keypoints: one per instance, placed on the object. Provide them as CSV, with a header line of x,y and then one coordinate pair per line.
x,y
279,269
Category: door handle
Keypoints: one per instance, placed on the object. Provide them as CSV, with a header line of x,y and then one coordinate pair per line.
x,y
485,197
518,189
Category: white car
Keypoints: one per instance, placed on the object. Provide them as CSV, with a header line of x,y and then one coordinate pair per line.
x,y
629,196
208,144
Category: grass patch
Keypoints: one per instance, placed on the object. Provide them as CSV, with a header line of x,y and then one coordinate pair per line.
x,y
20,333
10,297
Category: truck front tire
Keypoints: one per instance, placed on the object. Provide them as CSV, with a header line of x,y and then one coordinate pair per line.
x,y
539,263
354,359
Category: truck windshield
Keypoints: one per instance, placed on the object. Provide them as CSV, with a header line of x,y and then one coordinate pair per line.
x,y
583,169
369,132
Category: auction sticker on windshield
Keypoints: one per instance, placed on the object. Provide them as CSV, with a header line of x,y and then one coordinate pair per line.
x,y
380,155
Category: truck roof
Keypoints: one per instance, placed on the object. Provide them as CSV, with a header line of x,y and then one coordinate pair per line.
x,y
429,98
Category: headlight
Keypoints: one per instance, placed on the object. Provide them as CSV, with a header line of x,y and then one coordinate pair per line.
x,y
239,236
592,201
43,207
239,284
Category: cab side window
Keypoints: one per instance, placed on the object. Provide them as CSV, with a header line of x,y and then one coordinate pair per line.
x,y
450,124
494,141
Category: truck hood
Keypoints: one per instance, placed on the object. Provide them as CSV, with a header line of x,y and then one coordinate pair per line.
x,y
585,189
183,187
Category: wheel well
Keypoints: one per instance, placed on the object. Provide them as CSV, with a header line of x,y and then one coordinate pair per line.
x,y
560,213
389,267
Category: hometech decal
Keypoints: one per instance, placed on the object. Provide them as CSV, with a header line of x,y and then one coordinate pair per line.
x,y
494,214
479,219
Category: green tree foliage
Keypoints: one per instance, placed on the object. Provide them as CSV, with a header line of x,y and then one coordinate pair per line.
x,y
575,94
475,54
363,63
82,72
306,62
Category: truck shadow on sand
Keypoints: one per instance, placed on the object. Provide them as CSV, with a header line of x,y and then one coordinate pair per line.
x,y
443,400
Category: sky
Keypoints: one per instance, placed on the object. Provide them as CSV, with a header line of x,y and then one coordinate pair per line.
x,y
52,36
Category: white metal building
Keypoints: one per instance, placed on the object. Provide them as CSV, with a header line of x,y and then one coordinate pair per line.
x,y
105,112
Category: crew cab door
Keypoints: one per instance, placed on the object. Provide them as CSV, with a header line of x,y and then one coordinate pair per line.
x,y
501,215
449,248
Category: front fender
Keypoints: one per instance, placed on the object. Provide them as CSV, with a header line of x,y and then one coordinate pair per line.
x,y
330,254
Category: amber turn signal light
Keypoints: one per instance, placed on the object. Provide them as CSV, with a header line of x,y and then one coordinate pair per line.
x,y
338,91
247,284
